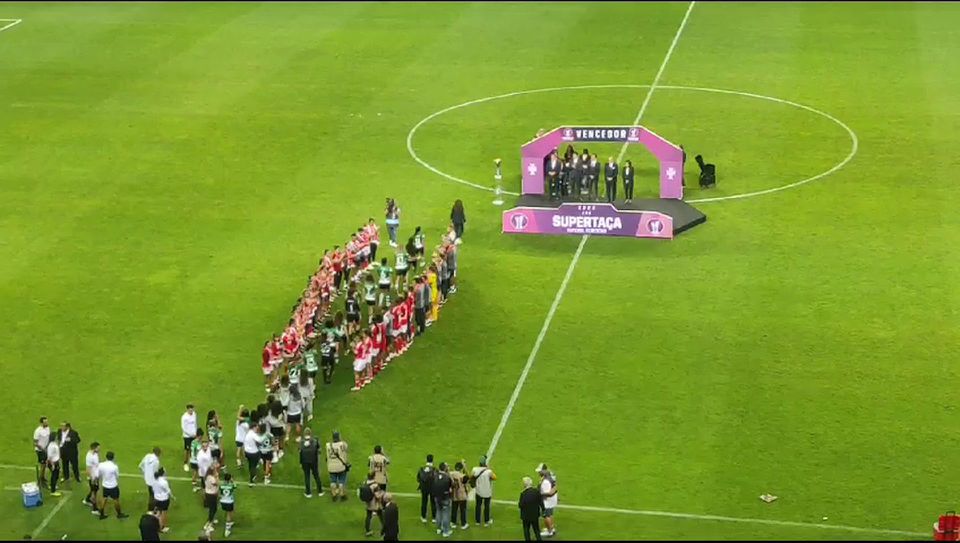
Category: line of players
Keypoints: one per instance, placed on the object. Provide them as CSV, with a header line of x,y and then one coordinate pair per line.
x,y
398,307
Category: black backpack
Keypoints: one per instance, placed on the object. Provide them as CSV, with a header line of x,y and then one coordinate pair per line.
x,y
441,486
425,478
366,493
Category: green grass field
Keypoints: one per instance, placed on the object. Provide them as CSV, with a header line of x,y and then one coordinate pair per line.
x,y
170,174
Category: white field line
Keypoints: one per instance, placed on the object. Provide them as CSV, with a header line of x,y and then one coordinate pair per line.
x,y
53,512
585,508
536,349
576,257
10,23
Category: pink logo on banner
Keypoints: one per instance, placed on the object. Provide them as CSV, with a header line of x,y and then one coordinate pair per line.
x,y
633,135
567,134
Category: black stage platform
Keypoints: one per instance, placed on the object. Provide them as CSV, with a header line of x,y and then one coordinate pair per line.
x,y
684,215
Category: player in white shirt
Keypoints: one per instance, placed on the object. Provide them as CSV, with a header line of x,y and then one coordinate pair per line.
x,y
548,489
251,450
241,429
188,429
93,475
162,496
53,460
205,460
109,474
41,438
149,467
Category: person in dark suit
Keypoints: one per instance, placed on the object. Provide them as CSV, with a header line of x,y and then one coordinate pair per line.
x,y
574,178
390,516
531,507
565,169
553,174
585,174
70,455
594,178
683,165
610,174
628,181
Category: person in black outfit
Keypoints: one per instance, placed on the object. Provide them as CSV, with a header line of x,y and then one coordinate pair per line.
x,y
390,517
425,478
531,507
594,178
150,526
628,181
683,166
553,174
610,173
309,459
585,173
458,218
565,169
69,439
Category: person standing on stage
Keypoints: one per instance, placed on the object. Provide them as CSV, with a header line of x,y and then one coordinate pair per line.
x,y
611,172
575,176
566,168
628,181
553,174
594,169
585,174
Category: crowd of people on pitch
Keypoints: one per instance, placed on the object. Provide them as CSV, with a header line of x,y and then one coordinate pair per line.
x,y
578,175
402,296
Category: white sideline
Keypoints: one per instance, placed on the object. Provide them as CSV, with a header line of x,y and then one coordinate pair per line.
x,y
12,23
53,512
586,508
576,257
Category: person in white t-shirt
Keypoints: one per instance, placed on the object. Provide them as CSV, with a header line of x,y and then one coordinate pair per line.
x,y
251,450
93,475
548,489
482,478
241,429
188,429
204,461
162,496
148,467
53,460
41,438
109,474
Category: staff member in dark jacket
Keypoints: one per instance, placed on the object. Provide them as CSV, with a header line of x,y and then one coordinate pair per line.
x,y
610,173
69,439
628,181
553,174
458,218
309,460
594,178
531,507
150,526
390,516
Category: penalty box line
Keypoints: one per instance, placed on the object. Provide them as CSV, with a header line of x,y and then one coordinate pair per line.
x,y
584,508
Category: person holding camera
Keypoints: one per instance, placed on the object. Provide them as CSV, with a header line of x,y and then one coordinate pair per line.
x,y
371,495
338,464
392,220
442,493
425,476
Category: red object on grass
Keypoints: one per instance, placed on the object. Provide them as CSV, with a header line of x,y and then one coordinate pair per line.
x,y
947,528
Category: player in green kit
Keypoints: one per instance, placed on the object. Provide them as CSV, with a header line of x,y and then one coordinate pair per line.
x,y
309,363
214,434
195,446
298,363
370,295
401,266
385,272
228,496
266,455
328,356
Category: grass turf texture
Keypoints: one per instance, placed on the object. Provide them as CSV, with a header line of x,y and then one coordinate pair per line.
x,y
170,174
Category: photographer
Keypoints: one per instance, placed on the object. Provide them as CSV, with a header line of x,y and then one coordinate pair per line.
x,y
338,465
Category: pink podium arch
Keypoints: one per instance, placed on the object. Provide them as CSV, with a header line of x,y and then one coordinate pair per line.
x,y
669,155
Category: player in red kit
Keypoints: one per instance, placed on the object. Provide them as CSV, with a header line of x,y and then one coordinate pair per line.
x,y
359,362
376,338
